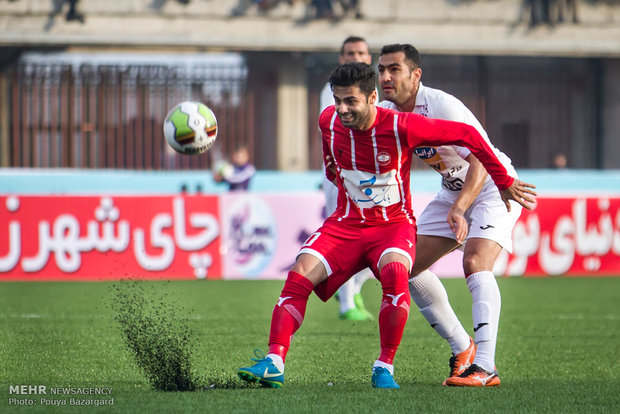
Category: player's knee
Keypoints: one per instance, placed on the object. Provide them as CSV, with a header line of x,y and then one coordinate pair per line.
x,y
395,278
473,263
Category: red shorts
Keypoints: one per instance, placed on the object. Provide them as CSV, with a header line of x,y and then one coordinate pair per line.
x,y
345,248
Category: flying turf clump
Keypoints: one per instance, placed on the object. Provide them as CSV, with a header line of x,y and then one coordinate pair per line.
x,y
161,342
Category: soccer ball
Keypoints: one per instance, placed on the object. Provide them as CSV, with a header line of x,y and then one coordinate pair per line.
x,y
190,128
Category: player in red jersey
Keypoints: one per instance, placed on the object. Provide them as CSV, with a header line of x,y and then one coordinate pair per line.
x,y
367,151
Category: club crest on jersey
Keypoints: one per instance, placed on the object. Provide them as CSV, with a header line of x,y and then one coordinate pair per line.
x,y
383,158
425,152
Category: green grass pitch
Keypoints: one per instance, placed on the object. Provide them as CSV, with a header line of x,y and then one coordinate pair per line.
x,y
558,350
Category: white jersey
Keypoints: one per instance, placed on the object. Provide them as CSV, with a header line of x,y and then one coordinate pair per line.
x,y
449,160
326,98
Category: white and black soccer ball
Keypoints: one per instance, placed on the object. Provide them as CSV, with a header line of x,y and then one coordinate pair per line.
x,y
190,128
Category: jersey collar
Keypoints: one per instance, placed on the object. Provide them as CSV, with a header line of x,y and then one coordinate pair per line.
x,y
421,97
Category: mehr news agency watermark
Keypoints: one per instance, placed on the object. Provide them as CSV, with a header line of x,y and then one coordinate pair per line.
x,y
43,395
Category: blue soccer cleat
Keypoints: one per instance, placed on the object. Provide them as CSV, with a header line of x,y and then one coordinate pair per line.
x,y
264,372
381,378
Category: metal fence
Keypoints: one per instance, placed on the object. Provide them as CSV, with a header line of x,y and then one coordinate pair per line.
x,y
77,111
106,111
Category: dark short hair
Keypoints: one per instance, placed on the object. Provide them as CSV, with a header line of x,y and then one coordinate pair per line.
x,y
412,56
351,39
354,74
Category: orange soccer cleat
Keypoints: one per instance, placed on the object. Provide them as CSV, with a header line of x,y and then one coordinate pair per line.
x,y
459,363
474,376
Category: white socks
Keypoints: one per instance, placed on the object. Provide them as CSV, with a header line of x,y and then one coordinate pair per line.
x,y
346,292
360,277
352,287
277,361
485,314
429,294
382,364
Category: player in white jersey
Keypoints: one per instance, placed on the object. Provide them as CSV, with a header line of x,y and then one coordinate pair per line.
x,y
351,304
468,208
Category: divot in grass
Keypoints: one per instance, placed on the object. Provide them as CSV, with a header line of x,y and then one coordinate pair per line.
x,y
160,339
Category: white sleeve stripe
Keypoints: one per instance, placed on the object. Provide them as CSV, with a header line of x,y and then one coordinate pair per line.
x,y
353,163
331,130
374,150
333,133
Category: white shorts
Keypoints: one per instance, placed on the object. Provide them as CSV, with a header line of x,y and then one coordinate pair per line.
x,y
487,218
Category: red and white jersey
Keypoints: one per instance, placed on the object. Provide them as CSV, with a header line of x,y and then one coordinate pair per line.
x,y
449,160
373,166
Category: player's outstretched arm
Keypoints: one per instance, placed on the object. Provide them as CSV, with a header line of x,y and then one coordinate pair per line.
x,y
521,192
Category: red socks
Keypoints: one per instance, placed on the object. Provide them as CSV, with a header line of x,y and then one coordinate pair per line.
x,y
394,309
288,314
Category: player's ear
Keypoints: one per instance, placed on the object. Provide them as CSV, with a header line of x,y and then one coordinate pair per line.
x,y
372,98
416,74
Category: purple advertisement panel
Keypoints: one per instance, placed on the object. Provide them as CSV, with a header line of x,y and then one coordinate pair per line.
x,y
262,233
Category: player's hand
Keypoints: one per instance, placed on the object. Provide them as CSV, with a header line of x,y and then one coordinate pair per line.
x,y
330,164
522,193
458,224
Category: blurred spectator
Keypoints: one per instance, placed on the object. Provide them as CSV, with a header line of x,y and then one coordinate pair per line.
x,y
158,4
324,9
548,12
263,6
319,9
238,173
566,11
352,6
559,161
73,14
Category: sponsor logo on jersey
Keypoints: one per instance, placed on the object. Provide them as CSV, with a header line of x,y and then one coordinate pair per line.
x,y
368,190
455,184
425,152
383,158
431,156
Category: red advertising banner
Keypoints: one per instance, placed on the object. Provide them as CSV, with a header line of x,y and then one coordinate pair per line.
x,y
257,236
566,236
109,237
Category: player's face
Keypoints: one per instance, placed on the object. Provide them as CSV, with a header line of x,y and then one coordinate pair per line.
x,y
354,109
355,52
398,82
